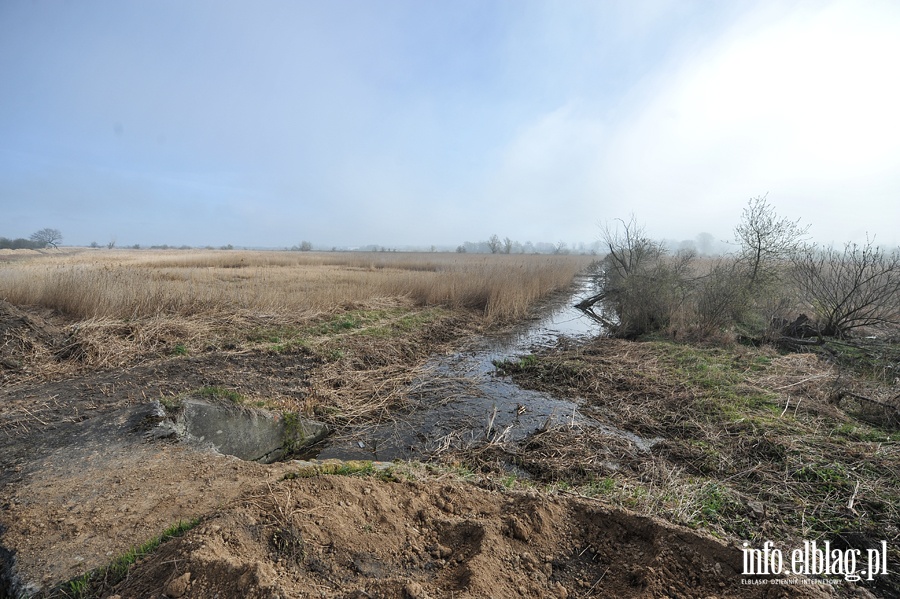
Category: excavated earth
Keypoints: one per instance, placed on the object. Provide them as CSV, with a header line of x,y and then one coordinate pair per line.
x,y
85,477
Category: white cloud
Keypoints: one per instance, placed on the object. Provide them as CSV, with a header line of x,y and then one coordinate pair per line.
x,y
802,107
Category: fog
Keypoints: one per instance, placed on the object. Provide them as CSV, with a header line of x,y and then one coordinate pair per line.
x,y
418,124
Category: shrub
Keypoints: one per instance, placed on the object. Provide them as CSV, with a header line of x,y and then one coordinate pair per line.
x,y
751,292
859,287
644,287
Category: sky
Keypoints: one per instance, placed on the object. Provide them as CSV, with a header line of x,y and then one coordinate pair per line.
x,y
416,123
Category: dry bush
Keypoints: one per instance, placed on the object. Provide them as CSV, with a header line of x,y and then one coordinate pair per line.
x,y
643,286
647,290
719,297
859,287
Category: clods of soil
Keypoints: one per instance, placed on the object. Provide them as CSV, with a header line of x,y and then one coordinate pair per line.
x,y
396,535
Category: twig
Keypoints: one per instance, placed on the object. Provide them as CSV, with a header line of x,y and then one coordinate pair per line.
x,y
786,406
733,476
490,425
591,590
806,380
853,498
33,416
869,399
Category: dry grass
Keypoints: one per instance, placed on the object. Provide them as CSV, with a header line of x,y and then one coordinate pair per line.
x,y
140,284
371,318
753,444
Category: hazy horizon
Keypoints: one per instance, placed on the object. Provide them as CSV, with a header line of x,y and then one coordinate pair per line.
x,y
409,124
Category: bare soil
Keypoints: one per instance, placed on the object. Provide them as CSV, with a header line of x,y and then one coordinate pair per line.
x,y
432,536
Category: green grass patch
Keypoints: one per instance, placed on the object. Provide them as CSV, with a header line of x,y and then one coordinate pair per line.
x,y
348,468
290,345
379,323
171,405
599,487
519,365
417,320
279,334
869,358
854,431
389,473
280,339
392,322
220,393
825,478
348,321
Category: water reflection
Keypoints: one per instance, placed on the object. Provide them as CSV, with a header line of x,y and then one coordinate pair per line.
x,y
464,401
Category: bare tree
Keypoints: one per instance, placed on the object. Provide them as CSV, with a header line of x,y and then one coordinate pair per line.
x,y
46,237
629,247
507,245
855,288
643,286
765,239
494,244
704,243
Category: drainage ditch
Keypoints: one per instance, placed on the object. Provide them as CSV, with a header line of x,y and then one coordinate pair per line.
x,y
464,402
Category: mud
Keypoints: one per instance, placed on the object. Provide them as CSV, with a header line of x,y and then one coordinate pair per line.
x,y
85,475
33,418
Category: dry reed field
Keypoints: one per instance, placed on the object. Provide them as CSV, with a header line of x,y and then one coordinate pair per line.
x,y
141,283
112,309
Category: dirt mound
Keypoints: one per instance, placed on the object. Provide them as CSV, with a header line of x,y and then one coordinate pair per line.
x,y
348,536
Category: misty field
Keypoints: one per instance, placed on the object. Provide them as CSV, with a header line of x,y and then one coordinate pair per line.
x,y
126,305
136,284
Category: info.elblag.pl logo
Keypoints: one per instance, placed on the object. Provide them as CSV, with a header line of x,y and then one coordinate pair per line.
x,y
816,560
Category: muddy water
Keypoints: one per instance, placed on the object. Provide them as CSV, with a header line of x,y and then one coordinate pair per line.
x,y
463,401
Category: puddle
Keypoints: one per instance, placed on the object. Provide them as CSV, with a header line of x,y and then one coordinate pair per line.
x,y
464,401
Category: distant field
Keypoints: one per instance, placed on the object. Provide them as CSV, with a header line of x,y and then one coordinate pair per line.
x,y
146,283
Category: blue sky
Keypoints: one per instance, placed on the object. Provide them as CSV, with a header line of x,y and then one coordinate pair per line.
x,y
416,123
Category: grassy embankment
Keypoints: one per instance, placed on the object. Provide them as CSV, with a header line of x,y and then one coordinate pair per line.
x,y
751,444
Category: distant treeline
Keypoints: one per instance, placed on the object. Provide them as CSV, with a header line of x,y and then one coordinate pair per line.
x,y
495,245
20,244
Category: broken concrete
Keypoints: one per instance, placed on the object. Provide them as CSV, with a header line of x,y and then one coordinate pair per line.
x,y
246,433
